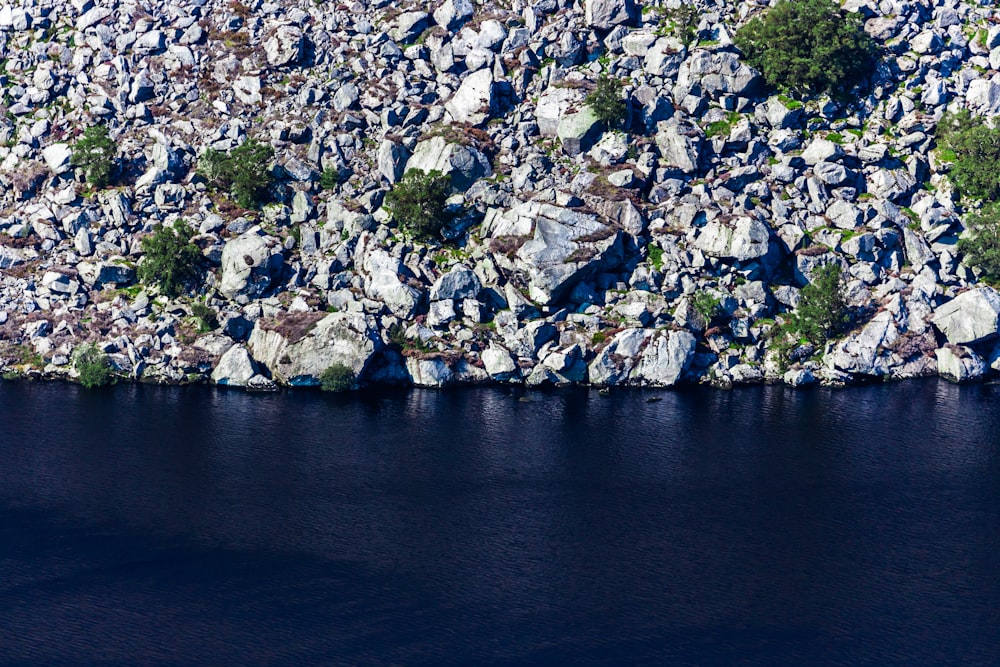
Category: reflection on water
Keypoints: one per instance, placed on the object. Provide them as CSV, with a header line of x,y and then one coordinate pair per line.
x,y
165,525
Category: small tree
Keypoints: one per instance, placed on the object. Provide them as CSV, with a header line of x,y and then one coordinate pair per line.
x,y
822,312
606,101
94,153
808,46
337,377
683,23
244,171
417,202
171,259
975,151
708,307
93,366
982,247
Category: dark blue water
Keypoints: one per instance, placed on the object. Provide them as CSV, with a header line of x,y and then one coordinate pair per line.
x,y
146,525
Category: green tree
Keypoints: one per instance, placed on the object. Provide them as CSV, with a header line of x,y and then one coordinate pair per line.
x,y
822,311
93,366
606,101
981,249
171,259
417,202
94,153
683,23
337,377
808,46
974,148
243,171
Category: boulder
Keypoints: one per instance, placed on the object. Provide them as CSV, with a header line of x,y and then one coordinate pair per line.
x,y
606,14
742,240
474,101
553,104
463,163
715,73
957,363
500,364
57,158
409,26
864,352
297,347
384,284
969,318
235,368
453,13
579,130
459,283
679,144
284,46
567,247
432,373
643,357
249,266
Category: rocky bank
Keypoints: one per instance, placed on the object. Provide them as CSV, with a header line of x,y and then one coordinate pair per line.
x,y
577,255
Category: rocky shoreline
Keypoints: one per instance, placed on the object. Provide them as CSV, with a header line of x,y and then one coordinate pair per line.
x,y
576,255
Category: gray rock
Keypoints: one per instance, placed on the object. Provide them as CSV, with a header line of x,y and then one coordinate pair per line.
x,y
297,347
409,26
474,101
679,144
821,150
465,164
57,158
284,46
742,240
863,352
453,13
500,364
578,131
957,363
567,247
392,159
432,373
643,357
715,73
459,283
969,318
248,266
235,368
606,14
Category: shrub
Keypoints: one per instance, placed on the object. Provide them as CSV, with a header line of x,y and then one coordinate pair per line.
x,y
329,179
337,377
982,247
975,149
606,101
207,319
808,46
707,306
93,366
171,259
822,312
683,23
94,153
243,171
417,202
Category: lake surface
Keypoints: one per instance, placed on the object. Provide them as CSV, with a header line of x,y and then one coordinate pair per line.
x,y
763,526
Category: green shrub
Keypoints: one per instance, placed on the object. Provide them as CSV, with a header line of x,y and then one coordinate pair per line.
x,y
329,179
417,202
243,171
94,153
171,259
682,23
822,311
606,101
337,377
708,307
93,366
982,247
207,319
808,46
975,151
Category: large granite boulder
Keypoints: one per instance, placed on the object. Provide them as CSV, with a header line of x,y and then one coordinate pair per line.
x,y
680,145
235,368
297,347
474,102
606,14
459,283
250,264
567,246
957,363
285,46
643,357
553,104
969,318
715,73
865,352
463,163
742,239
385,282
